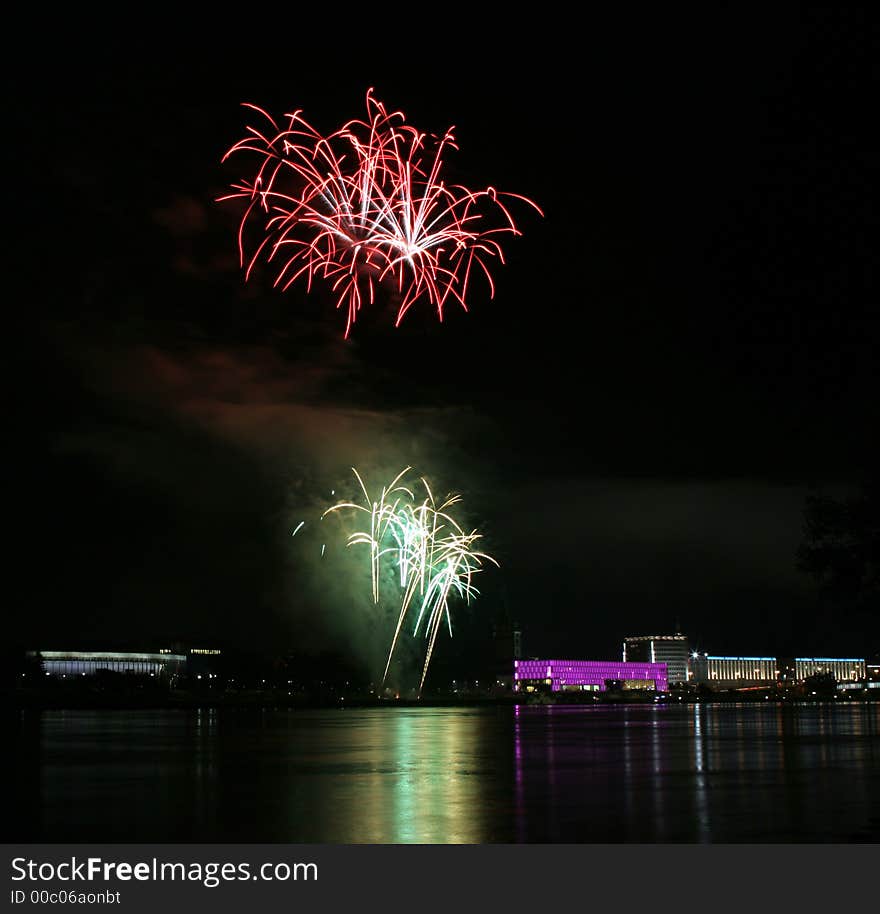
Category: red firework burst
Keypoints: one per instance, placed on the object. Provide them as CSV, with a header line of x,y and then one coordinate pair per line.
x,y
367,205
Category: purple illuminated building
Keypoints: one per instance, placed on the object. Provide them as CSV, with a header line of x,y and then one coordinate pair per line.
x,y
587,675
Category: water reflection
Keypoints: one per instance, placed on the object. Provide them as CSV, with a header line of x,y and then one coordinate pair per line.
x,y
416,777
700,785
397,775
713,772
599,773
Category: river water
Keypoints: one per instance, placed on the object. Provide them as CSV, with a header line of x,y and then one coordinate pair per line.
x,y
599,773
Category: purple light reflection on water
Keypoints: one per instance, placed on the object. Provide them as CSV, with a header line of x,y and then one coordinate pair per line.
x,y
639,771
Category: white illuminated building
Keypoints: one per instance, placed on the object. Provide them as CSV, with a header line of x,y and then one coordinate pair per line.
x,y
669,649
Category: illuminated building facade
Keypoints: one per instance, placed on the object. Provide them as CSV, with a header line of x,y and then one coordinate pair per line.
x,y
669,649
587,675
742,672
843,669
90,663
733,671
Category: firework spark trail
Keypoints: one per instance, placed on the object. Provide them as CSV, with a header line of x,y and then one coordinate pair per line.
x,y
432,553
365,205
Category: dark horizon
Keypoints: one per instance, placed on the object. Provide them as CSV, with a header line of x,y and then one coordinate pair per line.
x,y
678,354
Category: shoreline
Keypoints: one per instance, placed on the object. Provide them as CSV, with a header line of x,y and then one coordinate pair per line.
x,y
19,701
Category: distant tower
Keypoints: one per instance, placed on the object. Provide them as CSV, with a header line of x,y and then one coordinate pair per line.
x,y
506,643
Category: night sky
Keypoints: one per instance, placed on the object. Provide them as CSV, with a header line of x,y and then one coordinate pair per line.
x,y
676,355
